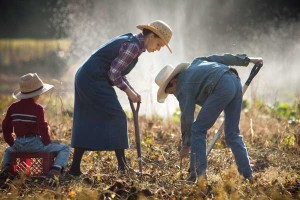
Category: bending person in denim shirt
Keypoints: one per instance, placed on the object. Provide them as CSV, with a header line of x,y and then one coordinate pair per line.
x,y
210,83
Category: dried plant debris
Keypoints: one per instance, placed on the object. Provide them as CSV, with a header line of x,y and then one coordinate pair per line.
x,y
272,142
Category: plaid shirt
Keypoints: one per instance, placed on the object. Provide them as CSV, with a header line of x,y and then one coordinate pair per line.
x,y
25,118
127,52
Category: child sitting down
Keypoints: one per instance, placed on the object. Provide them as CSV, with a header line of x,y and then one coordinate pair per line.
x,y
26,119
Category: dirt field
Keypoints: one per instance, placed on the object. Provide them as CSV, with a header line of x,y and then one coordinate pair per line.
x,y
272,140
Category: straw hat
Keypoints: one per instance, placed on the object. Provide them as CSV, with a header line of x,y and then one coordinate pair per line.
x,y
161,29
165,76
30,86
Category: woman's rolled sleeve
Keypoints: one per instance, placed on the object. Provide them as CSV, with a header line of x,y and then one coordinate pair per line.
x,y
128,52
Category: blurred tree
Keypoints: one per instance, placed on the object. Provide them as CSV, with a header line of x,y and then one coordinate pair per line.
x,y
47,18
29,19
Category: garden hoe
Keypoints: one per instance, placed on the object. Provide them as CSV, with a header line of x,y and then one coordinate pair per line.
x,y
253,73
135,112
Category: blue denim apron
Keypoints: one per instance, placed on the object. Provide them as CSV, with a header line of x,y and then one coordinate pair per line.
x,y
99,121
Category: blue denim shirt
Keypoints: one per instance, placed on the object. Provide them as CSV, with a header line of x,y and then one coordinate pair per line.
x,y
196,83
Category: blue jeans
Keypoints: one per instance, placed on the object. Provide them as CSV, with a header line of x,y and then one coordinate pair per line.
x,y
35,144
226,96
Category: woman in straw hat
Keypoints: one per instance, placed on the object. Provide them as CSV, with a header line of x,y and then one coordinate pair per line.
x,y
26,119
210,83
99,123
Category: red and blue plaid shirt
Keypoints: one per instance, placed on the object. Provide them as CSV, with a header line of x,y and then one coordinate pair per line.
x,y
25,118
127,52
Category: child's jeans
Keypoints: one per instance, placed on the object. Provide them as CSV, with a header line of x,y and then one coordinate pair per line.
x,y
35,144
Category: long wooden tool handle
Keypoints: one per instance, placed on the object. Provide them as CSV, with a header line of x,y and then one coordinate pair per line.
x,y
137,132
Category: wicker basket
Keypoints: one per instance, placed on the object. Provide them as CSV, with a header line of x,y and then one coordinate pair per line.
x,y
32,163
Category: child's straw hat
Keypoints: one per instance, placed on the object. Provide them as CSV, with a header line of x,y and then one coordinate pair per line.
x,y
30,86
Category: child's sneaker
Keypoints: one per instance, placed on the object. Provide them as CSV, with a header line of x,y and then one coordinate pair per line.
x,y
5,173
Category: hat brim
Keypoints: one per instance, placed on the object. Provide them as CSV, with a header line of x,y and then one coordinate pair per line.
x,y
19,95
154,30
161,94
